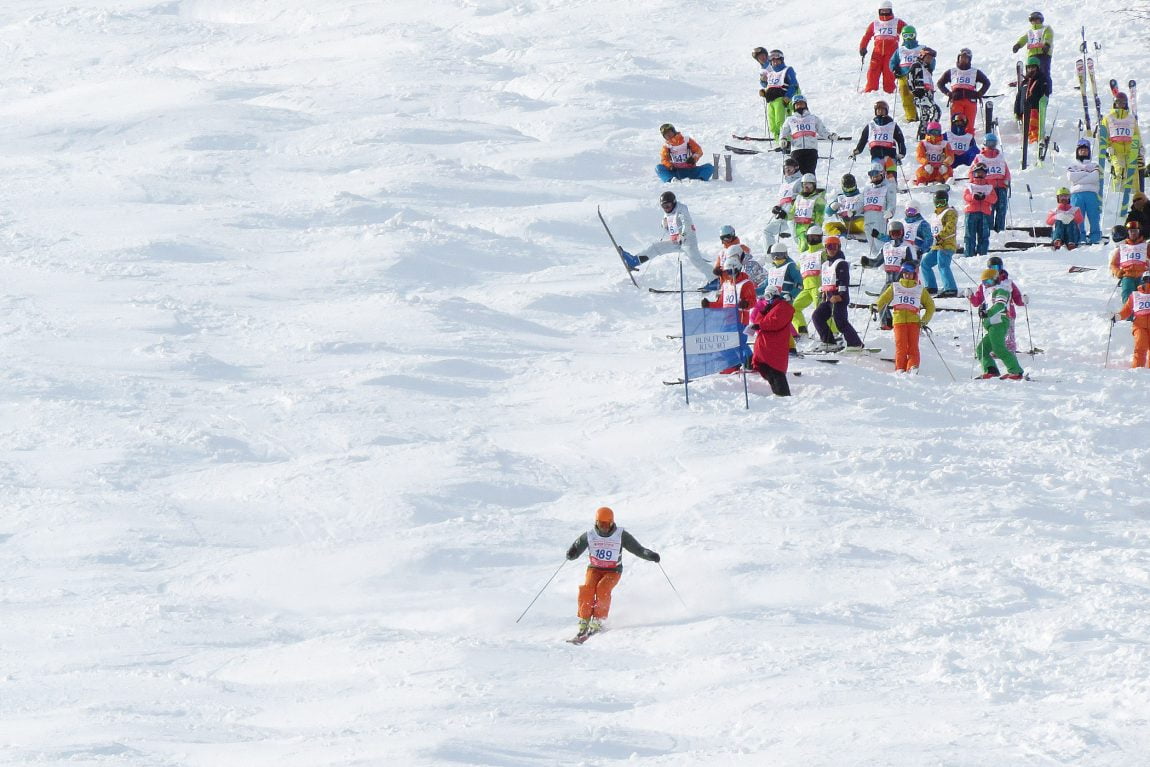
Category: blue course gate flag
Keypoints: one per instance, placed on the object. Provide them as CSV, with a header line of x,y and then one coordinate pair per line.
x,y
713,340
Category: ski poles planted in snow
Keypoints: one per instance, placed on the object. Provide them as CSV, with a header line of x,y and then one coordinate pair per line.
x,y
545,585
1106,361
930,337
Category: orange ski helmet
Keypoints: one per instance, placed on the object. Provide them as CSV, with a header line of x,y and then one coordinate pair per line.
x,y
604,517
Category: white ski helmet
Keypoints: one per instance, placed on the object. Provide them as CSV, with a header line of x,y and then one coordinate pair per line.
x,y
726,231
733,262
733,250
778,249
772,292
885,5
809,178
814,230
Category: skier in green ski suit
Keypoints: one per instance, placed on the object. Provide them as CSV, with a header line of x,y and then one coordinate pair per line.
x,y
996,322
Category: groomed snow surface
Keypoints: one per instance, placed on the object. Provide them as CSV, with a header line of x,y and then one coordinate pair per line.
x,y
315,359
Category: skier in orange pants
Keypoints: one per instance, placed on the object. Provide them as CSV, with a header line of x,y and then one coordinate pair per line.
x,y
1138,306
912,310
604,544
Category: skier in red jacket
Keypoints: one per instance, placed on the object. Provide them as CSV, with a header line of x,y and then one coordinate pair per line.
x,y
886,31
771,319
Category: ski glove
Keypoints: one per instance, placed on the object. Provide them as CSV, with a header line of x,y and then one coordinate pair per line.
x,y
706,303
1016,47
928,169
652,556
778,211
862,52
572,552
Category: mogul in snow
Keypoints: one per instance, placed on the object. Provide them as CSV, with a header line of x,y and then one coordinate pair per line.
x,y
681,155
681,237
913,308
885,31
964,86
1065,221
604,544
944,230
1137,306
998,176
771,323
1128,260
801,134
1085,177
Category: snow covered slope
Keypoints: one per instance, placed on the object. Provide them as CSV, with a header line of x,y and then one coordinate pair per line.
x,y
315,359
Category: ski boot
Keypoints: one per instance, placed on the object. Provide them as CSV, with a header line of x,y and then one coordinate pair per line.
x,y
595,626
631,261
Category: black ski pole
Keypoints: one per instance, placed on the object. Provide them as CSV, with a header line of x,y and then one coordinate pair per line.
x,y
1106,362
660,564
862,66
1030,196
930,337
545,585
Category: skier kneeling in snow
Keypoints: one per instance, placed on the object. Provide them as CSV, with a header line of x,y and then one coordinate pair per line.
x,y
604,543
1066,221
771,320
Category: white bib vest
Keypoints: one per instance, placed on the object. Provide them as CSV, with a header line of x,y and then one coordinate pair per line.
x,y
893,256
1132,255
810,263
882,135
605,551
874,197
827,281
963,79
1141,303
907,299
805,208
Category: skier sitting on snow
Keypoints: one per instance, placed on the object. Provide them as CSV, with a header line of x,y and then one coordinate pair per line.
x,y
680,157
1066,221
912,308
681,237
935,157
788,191
882,136
605,543
771,323
846,210
1137,305
801,134
962,142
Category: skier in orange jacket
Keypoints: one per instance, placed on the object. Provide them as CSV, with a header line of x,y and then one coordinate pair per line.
x,y
1138,306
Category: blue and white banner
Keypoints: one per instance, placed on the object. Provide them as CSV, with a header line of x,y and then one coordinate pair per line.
x,y
713,340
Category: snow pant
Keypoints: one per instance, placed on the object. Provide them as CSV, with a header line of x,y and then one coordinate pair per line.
x,y
801,236
853,227
998,212
995,342
1066,234
776,378
910,112
777,113
1129,285
1091,207
808,159
690,246
906,355
1141,348
1125,176
977,241
873,220
698,172
968,108
595,593
940,258
807,296
774,228
827,311
879,62
938,174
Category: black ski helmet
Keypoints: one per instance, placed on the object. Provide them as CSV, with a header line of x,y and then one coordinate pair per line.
x,y
1036,16
667,197
994,262
1082,144
1118,233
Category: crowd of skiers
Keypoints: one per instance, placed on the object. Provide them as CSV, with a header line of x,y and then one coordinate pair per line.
x,y
915,254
